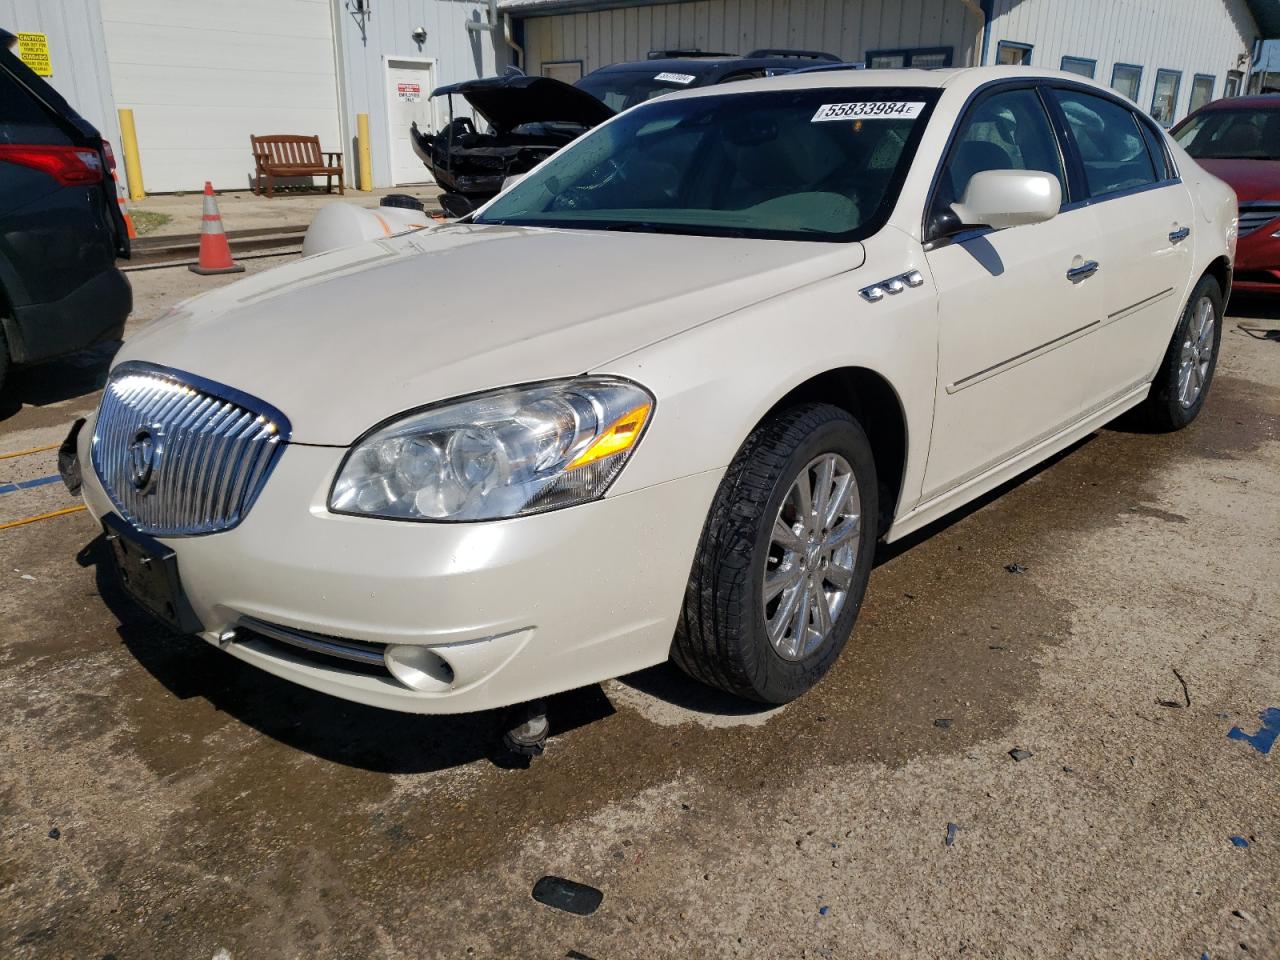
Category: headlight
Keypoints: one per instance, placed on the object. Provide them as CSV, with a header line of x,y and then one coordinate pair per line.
x,y
501,454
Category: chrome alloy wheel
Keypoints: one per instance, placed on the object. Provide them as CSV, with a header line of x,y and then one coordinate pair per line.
x,y
812,551
1197,353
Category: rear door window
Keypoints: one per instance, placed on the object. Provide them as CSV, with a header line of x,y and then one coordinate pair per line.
x,y
23,119
1109,142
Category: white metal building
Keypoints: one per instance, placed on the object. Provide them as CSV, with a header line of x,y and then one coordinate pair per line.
x,y
1169,56
203,75
77,53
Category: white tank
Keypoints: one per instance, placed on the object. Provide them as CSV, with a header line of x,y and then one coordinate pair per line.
x,y
342,224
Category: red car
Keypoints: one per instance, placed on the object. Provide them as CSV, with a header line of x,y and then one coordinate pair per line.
x,y
1238,140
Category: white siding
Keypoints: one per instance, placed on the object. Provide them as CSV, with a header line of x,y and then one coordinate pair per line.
x,y
459,54
77,52
1192,36
848,28
201,77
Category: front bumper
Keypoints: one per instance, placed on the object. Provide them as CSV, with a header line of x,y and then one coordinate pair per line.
x,y
1257,263
517,609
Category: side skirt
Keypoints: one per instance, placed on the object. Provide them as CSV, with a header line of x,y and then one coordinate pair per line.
x,y
940,506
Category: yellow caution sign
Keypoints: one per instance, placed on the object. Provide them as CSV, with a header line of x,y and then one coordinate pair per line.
x,y
33,50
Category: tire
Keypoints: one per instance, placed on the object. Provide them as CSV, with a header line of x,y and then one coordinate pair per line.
x,y
723,636
1167,407
4,360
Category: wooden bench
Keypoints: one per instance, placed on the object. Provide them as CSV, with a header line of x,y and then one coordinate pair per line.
x,y
288,155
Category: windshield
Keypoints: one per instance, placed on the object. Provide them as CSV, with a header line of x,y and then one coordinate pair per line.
x,y
621,89
1232,135
795,164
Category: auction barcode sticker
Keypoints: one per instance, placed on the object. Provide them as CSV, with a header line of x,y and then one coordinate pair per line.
x,y
870,110
675,77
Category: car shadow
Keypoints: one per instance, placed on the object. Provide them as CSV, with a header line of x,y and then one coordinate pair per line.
x,y
69,377
887,551
385,741
336,730
669,683
1261,315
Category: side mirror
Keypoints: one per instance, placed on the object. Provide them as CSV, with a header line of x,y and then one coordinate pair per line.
x,y
511,181
1009,198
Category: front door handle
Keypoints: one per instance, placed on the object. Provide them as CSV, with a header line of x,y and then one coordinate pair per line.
x,y
1179,235
1083,272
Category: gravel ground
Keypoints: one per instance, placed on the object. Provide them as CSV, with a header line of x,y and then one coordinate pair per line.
x,y
160,799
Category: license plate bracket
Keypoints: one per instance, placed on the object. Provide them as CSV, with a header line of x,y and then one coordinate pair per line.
x,y
148,571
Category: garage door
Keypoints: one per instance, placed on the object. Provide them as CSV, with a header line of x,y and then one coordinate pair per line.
x,y
202,77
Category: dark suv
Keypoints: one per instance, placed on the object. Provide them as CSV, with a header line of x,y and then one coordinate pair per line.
x,y
61,228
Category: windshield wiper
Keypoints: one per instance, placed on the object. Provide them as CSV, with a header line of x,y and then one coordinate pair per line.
x,y
643,226
681,229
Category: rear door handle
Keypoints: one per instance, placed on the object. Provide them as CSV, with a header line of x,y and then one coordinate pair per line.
x,y
1083,272
1179,235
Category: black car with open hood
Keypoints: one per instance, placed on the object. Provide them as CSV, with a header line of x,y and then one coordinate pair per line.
x,y
529,118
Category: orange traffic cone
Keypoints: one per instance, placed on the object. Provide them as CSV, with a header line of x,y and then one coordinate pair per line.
x,y
215,254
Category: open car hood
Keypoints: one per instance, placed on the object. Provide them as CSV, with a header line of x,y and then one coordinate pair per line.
x,y
507,102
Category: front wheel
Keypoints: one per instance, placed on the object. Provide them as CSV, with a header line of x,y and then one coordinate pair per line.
x,y
784,557
1183,380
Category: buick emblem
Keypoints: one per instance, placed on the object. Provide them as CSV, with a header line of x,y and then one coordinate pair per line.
x,y
144,458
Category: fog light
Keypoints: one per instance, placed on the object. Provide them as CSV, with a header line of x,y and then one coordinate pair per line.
x,y
419,668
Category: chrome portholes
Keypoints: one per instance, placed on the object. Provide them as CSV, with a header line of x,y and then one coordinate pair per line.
x,y
892,286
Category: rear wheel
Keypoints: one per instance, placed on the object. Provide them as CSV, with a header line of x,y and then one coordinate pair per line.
x,y
4,359
1183,380
784,557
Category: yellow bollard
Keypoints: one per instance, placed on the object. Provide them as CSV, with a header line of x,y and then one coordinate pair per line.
x,y
132,162
366,159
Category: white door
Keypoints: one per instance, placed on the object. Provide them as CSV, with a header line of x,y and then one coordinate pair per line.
x,y
1144,249
1013,317
409,86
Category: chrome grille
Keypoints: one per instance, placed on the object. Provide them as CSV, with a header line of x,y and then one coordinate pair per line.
x,y
180,455
1255,216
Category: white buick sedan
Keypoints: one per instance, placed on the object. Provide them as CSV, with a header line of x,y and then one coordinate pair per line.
x,y
661,398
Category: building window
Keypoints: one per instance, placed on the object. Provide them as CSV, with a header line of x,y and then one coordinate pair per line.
x,y
1164,100
1080,65
1234,79
922,58
1201,92
566,71
1012,54
1126,78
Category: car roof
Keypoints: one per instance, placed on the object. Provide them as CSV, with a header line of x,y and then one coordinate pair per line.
x,y
1258,101
960,79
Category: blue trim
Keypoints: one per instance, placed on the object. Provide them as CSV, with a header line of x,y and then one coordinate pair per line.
x,y
1127,66
28,484
1177,95
1015,45
1213,84
1092,64
988,14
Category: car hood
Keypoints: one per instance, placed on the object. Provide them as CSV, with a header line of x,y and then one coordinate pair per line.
x,y
1251,179
345,339
507,102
